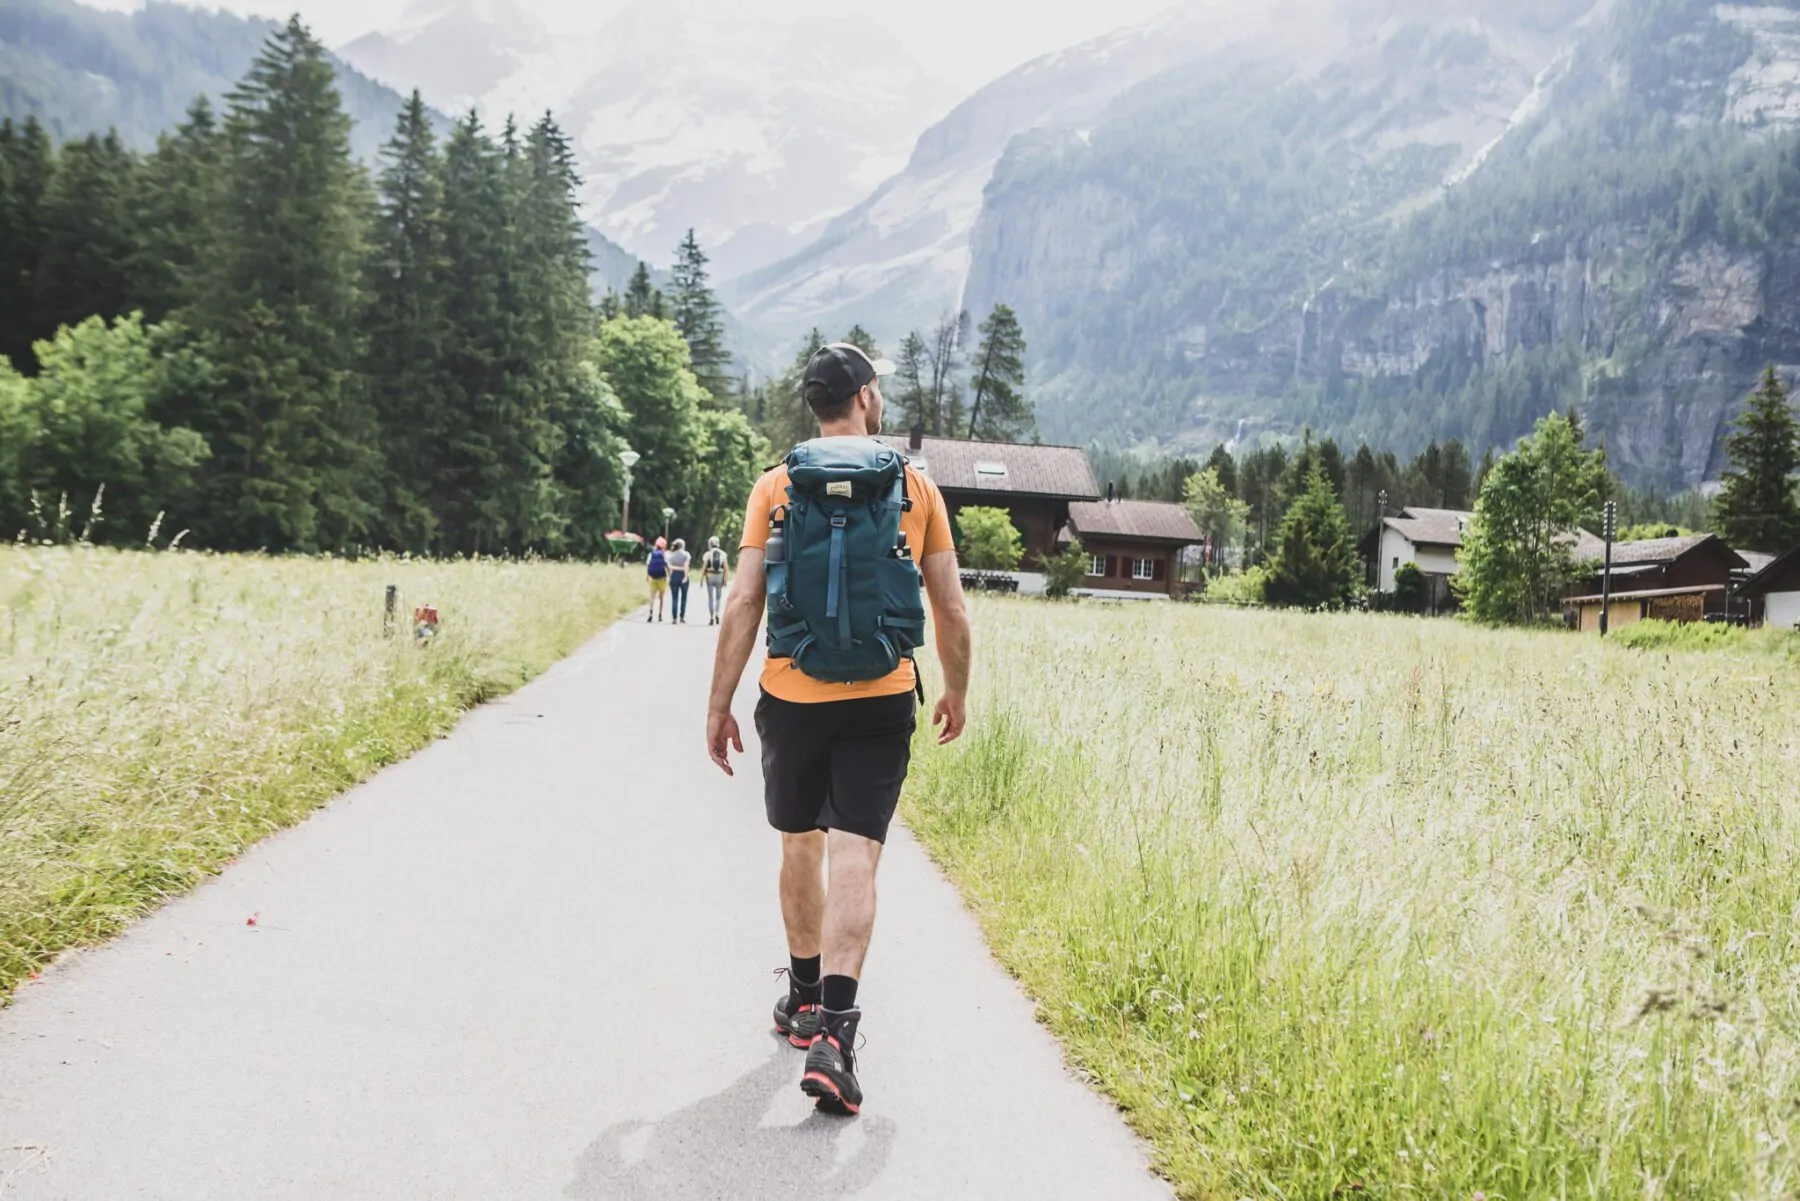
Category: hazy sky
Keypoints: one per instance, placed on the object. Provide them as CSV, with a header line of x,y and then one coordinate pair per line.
x,y
966,42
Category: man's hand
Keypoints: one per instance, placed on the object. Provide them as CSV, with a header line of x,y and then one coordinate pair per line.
x,y
721,731
950,714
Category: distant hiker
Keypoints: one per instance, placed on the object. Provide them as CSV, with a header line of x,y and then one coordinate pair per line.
x,y
657,570
713,566
829,544
678,581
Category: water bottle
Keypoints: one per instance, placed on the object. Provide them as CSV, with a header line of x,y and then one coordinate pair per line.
x,y
775,550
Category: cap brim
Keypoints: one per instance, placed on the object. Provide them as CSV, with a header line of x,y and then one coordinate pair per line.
x,y
883,368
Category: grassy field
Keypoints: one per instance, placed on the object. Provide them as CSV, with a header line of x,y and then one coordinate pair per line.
x,y
159,713
1369,906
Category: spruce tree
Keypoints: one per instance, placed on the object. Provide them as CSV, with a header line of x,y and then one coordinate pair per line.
x,y
643,298
174,205
998,409
1315,563
27,163
696,314
863,340
408,329
281,304
1224,466
88,246
476,245
1756,509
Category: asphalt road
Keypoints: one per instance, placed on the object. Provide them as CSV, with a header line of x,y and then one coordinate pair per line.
x,y
535,961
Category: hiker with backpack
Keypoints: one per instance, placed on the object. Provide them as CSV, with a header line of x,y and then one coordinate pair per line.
x,y
656,569
837,542
678,582
713,567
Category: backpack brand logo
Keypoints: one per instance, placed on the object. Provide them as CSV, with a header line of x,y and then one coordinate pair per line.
x,y
840,488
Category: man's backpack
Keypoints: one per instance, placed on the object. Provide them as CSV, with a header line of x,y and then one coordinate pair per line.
x,y
658,565
845,602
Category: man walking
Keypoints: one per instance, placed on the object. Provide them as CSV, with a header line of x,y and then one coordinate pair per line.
x,y
713,567
829,546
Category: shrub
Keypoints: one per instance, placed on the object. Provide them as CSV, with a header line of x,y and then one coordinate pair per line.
x,y
1064,573
1679,636
990,540
1245,588
1412,591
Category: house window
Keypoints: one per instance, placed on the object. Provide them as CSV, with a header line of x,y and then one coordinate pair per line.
x,y
1097,565
1143,569
1396,562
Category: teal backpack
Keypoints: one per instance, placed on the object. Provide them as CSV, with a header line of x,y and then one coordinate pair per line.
x,y
844,597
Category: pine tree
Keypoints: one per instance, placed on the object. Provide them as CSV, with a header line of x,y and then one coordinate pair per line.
x,y
912,393
1756,509
998,409
175,200
281,305
1315,564
84,263
643,298
789,421
863,340
1224,466
27,163
695,312
408,329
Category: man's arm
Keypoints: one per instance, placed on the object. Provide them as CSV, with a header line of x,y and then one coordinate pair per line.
x,y
955,641
737,640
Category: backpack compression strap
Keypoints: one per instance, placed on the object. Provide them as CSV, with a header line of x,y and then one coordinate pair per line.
x,y
835,604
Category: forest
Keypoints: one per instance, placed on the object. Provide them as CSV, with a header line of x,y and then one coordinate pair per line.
x,y
247,340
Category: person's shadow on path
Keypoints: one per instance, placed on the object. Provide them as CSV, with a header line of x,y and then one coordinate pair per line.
x,y
720,1150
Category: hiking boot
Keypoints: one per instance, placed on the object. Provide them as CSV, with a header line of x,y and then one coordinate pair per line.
x,y
831,1064
796,1017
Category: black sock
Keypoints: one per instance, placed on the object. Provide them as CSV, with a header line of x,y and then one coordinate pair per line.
x,y
805,975
838,993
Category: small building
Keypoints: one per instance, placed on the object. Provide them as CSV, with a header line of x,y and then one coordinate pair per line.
x,y
1035,484
1652,604
1775,591
1133,546
1698,568
1428,538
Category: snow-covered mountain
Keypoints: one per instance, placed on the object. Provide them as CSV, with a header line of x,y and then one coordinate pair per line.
x,y
754,132
900,258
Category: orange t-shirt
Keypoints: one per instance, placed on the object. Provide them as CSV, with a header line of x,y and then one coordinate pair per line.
x,y
927,527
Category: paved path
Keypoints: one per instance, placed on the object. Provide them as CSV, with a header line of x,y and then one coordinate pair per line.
x,y
534,962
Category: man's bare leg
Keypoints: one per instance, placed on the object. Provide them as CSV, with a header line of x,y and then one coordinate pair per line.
x,y
849,903
803,891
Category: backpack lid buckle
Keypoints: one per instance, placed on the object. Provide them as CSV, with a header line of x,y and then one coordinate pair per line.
x,y
839,521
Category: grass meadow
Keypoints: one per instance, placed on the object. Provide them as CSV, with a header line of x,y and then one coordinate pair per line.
x,y
1342,906
161,712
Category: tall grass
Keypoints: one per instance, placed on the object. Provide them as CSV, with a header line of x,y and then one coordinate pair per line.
x,y
1356,905
159,713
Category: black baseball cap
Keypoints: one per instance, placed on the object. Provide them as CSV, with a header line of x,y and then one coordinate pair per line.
x,y
840,370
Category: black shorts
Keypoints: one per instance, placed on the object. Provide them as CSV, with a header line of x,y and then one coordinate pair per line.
x,y
835,765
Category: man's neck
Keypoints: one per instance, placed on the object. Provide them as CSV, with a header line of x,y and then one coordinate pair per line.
x,y
843,429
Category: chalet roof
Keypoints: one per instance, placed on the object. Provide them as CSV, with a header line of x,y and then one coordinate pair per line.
x,y
1159,520
1772,576
1431,527
1652,551
1647,594
1018,468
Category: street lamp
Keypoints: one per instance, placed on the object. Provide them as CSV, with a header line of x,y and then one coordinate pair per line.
x,y
629,458
668,516
1611,530
1381,499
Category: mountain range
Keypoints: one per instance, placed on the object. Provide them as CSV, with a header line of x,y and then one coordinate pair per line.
x,y
1387,219
750,131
